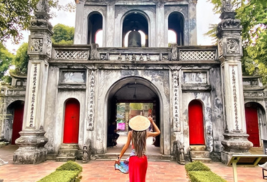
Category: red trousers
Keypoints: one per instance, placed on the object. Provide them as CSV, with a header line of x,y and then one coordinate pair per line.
x,y
137,168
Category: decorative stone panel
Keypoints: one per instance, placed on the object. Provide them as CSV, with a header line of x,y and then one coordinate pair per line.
x,y
197,55
72,54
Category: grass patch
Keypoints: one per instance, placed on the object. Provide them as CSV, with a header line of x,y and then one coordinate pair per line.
x,y
204,176
68,172
196,166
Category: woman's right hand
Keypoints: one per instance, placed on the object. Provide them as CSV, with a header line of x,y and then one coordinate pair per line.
x,y
150,119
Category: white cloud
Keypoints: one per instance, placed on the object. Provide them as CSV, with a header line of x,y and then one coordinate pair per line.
x,y
205,17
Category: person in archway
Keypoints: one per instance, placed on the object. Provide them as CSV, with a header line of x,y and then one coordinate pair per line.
x,y
138,135
112,134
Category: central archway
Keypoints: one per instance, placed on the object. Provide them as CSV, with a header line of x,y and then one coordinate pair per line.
x,y
135,90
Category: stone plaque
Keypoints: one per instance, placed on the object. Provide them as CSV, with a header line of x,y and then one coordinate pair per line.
x,y
196,77
76,77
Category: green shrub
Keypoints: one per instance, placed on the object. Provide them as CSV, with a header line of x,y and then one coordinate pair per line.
x,y
204,176
61,176
70,166
196,166
68,172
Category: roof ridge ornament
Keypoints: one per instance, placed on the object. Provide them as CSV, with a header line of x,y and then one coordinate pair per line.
x,y
227,6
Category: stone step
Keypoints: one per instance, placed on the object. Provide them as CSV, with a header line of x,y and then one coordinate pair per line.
x,y
65,159
200,154
198,147
69,146
204,160
154,157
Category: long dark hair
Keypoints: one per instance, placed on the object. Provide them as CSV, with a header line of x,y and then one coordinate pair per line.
x,y
139,142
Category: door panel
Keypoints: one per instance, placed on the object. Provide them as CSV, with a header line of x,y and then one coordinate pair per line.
x,y
252,125
71,124
17,122
196,129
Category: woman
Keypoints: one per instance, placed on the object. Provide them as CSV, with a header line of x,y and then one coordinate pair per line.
x,y
138,159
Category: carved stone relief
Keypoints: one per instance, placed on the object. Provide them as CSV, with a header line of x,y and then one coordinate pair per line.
x,y
36,45
232,46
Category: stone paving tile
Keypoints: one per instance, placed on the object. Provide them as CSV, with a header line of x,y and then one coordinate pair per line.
x,y
103,171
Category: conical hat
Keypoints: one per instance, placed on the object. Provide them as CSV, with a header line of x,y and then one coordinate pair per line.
x,y
139,123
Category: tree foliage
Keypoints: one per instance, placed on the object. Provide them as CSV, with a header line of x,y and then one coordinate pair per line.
x,y
21,59
5,61
136,106
63,34
253,16
15,15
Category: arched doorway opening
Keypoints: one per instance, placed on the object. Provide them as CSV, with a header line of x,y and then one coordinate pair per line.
x,y
138,22
95,24
127,98
196,127
176,24
253,112
15,121
71,121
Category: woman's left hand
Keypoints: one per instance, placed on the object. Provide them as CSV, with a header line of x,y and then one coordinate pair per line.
x,y
117,161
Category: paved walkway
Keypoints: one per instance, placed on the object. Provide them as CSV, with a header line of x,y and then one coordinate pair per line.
x,y
104,171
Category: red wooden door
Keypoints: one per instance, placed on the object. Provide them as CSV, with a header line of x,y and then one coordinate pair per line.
x,y
17,121
196,129
252,125
71,124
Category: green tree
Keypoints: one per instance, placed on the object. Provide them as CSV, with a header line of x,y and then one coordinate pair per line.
x,y
63,34
5,61
253,16
21,59
15,15
136,106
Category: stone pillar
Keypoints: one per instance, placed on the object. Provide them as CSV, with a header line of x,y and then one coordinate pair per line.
x,y
32,140
192,22
159,22
126,115
230,52
2,116
110,25
79,32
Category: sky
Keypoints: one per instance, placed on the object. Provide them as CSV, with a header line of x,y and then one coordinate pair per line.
x,y
205,17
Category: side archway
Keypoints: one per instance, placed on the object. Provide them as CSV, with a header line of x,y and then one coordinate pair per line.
x,y
196,125
254,112
71,121
14,123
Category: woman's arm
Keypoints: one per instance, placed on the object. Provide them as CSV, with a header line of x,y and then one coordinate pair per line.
x,y
129,138
156,132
